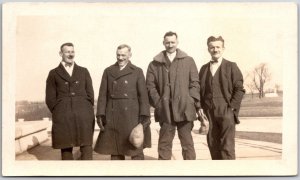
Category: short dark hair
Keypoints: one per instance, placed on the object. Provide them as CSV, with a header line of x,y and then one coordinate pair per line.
x,y
170,33
213,38
124,46
66,44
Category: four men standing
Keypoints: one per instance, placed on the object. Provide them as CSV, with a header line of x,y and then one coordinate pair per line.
x,y
175,89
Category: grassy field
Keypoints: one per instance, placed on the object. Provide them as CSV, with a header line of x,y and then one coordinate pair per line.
x,y
255,107
260,136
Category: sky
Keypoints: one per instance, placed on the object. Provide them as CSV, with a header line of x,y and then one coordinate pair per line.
x,y
253,33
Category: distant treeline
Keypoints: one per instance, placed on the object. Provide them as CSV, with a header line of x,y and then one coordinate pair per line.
x,y
31,111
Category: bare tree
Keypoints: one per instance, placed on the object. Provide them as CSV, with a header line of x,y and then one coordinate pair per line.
x,y
260,76
249,83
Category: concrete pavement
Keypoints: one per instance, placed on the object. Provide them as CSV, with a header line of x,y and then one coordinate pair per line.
x,y
245,148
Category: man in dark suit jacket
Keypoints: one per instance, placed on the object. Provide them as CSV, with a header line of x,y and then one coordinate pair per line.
x,y
221,91
70,98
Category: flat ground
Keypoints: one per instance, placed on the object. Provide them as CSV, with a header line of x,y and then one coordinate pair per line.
x,y
265,107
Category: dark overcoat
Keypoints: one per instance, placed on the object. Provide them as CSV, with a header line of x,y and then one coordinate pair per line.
x,y
177,85
231,84
122,100
70,100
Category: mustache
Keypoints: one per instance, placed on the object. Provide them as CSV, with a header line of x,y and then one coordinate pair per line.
x,y
70,57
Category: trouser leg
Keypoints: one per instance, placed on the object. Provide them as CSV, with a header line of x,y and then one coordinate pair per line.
x,y
221,133
185,136
213,136
166,136
66,154
86,152
117,157
227,135
139,156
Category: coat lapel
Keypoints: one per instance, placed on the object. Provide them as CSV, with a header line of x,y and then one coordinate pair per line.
x,y
116,73
61,71
203,78
76,73
224,70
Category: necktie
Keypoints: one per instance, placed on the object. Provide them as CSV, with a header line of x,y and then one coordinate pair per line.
x,y
214,61
68,64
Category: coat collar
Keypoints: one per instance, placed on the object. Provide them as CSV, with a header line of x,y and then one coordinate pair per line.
x,y
115,72
161,57
61,71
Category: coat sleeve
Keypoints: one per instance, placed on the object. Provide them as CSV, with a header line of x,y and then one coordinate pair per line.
x,y
154,96
89,87
194,85
238,88
143,95
102,99
201,74
51,99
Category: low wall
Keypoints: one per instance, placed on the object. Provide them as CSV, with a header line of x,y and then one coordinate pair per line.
x,y
29,134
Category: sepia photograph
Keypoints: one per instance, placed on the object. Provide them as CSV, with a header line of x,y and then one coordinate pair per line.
x,y
113,89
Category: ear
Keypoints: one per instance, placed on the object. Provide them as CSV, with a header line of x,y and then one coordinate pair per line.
x,y
60,53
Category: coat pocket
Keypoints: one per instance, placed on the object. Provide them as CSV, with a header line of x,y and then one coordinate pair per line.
x,y
190,111
158,112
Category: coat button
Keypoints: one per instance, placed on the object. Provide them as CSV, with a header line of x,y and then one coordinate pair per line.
x,y
76,82
115,82
72,93
66,83
125,108
112,95
126,82
125,95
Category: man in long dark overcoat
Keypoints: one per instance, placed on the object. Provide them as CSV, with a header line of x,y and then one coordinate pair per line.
x,y
222,90
173,87
70,98
122,104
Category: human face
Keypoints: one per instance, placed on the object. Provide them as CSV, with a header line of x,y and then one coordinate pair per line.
x,y
216,49
170,43
67,54
123,56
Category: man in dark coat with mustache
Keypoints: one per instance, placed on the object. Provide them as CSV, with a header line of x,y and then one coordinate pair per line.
x,y
70,98
173,87
221,89
122,104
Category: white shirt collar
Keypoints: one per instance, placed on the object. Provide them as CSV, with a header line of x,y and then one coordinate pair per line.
x,y
218,63
69,69
214,66
64,64
171,56
121,68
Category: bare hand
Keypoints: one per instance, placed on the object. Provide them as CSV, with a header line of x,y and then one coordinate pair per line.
x,y
100,123
200,113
